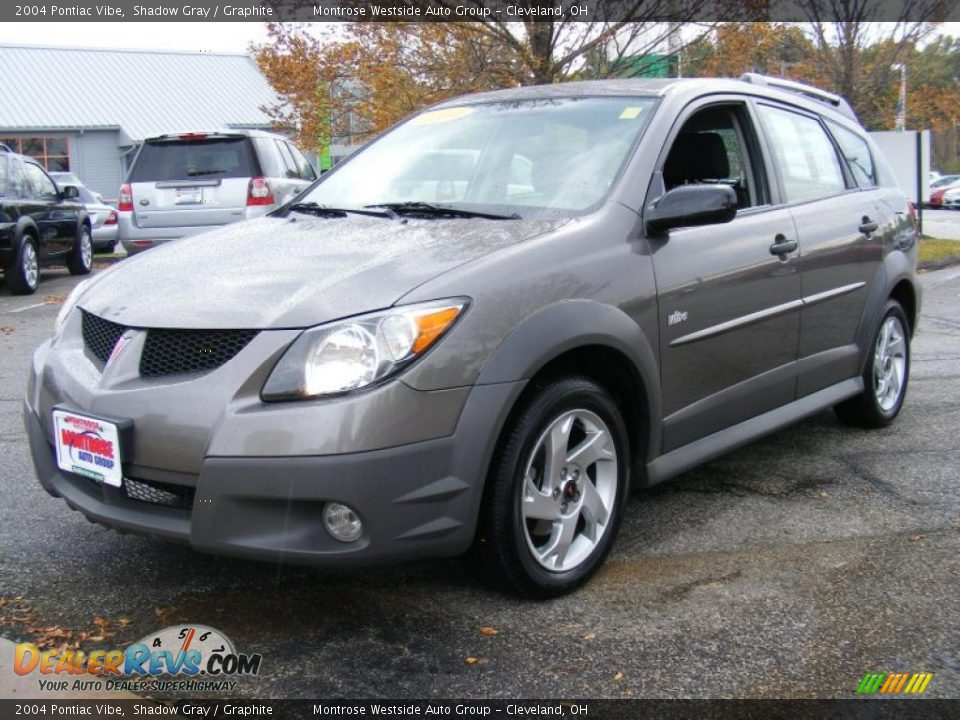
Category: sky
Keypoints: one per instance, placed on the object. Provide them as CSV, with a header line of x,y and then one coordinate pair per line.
x,y
212,37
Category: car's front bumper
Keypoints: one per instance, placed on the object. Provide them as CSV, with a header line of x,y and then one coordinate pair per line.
x,y
241,495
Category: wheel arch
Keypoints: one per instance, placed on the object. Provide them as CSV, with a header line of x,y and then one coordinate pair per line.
x,y
598,341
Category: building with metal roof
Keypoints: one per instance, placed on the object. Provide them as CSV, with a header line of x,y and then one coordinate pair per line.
x,y
85,110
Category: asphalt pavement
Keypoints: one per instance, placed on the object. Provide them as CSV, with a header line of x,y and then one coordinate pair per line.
x,y
790,568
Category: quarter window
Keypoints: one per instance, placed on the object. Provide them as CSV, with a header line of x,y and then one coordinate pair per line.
x,y
857,153
803,151
303,165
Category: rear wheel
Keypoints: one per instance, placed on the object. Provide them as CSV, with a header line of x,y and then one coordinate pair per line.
x,y
80,259
556,491
885,376
23,274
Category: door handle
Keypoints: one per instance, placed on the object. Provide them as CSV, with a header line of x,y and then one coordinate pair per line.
x,y
868,226
781,246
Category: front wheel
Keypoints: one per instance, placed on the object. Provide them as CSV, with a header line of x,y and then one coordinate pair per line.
x,y
556,492
885,376
80,259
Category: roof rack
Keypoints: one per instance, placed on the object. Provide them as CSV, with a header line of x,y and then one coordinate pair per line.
x,y
827,98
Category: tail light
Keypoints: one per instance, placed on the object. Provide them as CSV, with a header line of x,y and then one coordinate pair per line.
x,y
111,218
125,203
259,192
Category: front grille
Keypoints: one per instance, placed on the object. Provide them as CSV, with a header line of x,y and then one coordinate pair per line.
x,y
169,352
157,493
100,335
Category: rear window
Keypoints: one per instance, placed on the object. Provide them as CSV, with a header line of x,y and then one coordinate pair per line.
x,y
194,160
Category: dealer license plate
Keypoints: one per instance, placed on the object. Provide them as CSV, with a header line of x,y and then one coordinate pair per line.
x,y
189,196
88,446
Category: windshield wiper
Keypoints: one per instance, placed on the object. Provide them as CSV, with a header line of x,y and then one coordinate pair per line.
x,y
426,209
326,211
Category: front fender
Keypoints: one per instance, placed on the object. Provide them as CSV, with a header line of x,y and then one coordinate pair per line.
x,y
572,324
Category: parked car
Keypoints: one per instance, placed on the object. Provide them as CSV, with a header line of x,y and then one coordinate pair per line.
x,y
39,224
944,181
103,219
371,373
185,183
936,196
950,199
63,177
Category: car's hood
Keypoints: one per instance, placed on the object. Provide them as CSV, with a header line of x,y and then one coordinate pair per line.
x,y
297,272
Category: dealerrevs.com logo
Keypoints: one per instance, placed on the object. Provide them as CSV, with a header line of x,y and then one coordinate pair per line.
x,y
181,658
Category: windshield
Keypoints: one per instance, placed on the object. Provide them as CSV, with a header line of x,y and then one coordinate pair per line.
x,y
559,154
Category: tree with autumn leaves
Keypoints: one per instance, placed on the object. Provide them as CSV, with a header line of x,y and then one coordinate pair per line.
x,y
346,82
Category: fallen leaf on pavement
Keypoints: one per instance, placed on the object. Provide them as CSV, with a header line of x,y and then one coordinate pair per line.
x,y
53,299
588,636
123,622
6,329
471,661
618,676
917,538
489,631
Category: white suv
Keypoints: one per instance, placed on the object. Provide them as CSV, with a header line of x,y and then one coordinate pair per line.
x,y
185,183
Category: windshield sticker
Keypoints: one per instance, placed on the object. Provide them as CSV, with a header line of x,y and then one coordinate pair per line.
x,y
439,116
631,113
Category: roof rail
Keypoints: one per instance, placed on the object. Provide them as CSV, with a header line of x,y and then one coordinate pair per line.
x,y
828,98
5,148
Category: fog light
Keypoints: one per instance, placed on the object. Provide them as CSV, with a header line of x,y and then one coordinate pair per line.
x,y
342,522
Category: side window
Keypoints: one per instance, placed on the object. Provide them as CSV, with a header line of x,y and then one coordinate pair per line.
x,y
716,145
290,167
804,153
857,153
269,156
303,165
43,186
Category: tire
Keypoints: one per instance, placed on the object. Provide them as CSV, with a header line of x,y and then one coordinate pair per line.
x,y
23,274
886,374
540,544
80,259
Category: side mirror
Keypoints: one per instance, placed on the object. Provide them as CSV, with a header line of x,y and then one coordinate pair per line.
x,y
690,205
69,192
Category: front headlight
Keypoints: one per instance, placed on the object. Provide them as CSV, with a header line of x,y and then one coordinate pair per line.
x,y
68,305
951,194
354,354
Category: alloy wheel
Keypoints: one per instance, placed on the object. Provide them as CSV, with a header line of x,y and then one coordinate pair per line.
x,y
889,364
569,490
30,265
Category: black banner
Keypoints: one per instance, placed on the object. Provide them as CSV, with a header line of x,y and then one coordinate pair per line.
x,y
874,709
479,11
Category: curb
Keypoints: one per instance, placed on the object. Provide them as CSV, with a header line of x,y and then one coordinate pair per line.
x,y
940,264
26,687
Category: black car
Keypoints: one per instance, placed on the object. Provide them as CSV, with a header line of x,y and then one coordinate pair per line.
x,y
39,224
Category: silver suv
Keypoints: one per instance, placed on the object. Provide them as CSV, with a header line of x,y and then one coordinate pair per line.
x,y
486,327
184,183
